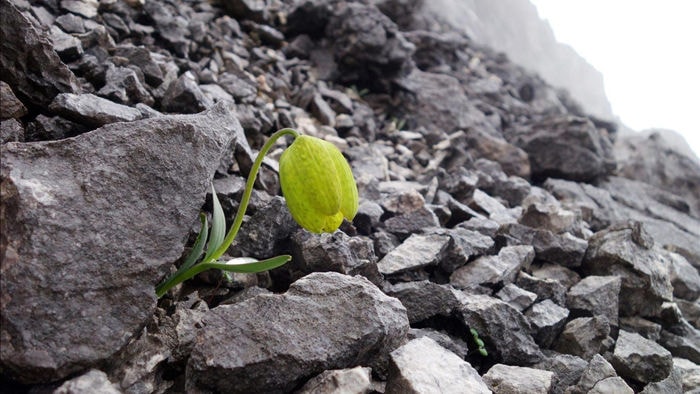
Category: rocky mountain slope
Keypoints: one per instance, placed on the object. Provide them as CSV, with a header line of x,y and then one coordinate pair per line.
x,y
503,242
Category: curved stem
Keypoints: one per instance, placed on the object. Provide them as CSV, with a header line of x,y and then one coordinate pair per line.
x,y
238,220
184,274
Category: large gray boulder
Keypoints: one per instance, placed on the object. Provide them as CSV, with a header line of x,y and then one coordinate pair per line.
x,y
271,343
89,226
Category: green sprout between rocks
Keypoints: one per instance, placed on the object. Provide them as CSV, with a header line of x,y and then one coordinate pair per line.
x,y
481,348
320,191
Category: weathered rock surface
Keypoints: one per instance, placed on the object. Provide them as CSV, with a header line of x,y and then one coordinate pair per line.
x,y
640,359
423,366
347,381
74,217
584,337
509,379
566,147
505,331
416,252
492,270
353,321
28,62
628,252
596,296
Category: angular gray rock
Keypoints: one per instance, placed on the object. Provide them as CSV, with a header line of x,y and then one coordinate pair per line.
x,y
567,370
611,385
335,252
584,337
564,249
422,366
367,45
11,106
547,319
28,62
545,288
684,278
653,158
627,251
74,216
640,359
596,296
264,344
424,299
566,147
92,110
516,297
671,385
690,374
492,270
509,379
505,331
598,369
416,252
356,380
465,245
185,96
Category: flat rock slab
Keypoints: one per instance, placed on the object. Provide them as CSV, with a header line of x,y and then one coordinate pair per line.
x,y
271,343
508,379
89,226
416,252
423,366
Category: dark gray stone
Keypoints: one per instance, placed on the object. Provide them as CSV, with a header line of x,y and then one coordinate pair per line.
x,y
44,128
596,296
640,359
28,62
567,370
423,366
682,341
424,299
263,233
11,106
598,369
143,59
509,379
185,96
11,130
513,160
627,251
566,147
465,245
71,23
547,319
67,46
492,270
367,45
354,323
504,330
563,275
411,222
671,385
684,278
367,216
125,86
584,337
335,252
78,210
92,110
563,249
545,288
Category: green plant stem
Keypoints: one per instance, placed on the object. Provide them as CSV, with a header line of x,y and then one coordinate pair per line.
x,y
183,275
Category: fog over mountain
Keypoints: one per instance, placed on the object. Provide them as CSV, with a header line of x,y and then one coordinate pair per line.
x,y
514,27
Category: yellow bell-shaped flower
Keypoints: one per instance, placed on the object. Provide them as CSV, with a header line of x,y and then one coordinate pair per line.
x,y
318,185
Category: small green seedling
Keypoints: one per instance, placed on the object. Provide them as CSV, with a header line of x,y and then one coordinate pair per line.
x,y
479,343
320,191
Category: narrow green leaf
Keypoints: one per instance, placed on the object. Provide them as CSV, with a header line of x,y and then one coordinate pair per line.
x,y
250,265
198,246
218,225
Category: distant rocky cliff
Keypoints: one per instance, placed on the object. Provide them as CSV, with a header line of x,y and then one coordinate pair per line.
x,y
514,27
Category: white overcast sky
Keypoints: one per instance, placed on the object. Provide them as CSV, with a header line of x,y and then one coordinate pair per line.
x,y
648,52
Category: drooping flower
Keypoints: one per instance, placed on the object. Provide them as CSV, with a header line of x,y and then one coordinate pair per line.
x,y
318,184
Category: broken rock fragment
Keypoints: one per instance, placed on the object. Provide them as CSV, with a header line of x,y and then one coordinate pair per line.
x,y
264,344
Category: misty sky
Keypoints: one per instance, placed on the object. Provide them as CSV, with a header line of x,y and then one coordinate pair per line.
x,y
648,52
